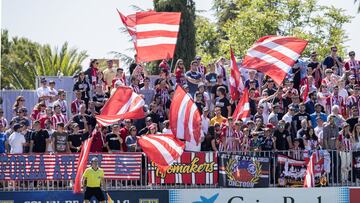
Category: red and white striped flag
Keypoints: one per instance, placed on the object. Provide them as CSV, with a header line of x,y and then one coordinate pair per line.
x,y
236,83
156,35
123,104
162,149
274,55
242,110
82,162
309,180
185,118
129,22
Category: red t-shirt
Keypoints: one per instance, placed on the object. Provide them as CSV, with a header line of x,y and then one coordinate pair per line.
x,y
123,133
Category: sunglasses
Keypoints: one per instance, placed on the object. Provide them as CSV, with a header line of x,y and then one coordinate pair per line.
x,y
22,100
351,54
334,50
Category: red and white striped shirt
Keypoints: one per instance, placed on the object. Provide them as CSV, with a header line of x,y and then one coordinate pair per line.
x,y
58,118
353,66
336,100
345,142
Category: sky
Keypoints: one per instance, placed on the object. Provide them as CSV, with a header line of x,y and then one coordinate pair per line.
x,y
93,25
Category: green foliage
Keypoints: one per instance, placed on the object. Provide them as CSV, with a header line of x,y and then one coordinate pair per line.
x,y
22,60
207,39
242,22
185,46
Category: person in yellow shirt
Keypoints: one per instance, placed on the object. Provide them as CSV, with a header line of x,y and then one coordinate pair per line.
x,y
109,73
218,118
92,181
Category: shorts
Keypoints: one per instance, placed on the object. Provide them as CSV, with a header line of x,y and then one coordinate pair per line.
x,y
94,191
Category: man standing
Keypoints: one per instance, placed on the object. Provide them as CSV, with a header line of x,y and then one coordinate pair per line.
x,y
193,78
353,65
109,73
39,139
333,60
92,181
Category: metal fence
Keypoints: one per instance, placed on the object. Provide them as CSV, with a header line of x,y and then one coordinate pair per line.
x,y
343,171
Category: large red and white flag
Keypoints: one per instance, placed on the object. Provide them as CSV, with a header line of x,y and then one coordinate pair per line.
x,y
236,83
129,22
274,55
242,110
123,104
162,149
309,180
82,162
185,118
156,35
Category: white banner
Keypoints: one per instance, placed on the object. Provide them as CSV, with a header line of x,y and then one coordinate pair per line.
x,y
261,195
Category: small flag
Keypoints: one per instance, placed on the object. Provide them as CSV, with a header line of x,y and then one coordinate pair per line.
x,y
109,200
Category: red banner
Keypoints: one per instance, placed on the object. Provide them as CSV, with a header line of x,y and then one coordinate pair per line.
x,y
191,168
120,166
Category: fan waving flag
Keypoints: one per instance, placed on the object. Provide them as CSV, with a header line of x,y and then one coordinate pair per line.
x,y
82,162
274,55
123,104
236,83
162,149
242,110
156,35
185,118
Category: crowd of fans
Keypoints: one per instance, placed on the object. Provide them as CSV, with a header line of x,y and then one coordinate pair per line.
x,y
281,117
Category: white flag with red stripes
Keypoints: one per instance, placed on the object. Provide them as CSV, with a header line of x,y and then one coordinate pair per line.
x,y
123,104
242,110
162,149
236,83
274,55
309,180
185,118
156,35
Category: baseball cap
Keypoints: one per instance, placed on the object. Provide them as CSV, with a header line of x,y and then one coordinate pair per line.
x,y
43,80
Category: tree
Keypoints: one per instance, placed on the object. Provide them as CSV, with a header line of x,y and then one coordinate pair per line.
x,y
252,19
207,39
23,60
185,46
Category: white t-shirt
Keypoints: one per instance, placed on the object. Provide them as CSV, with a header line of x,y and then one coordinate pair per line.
x,y
43,91
287,118
16,141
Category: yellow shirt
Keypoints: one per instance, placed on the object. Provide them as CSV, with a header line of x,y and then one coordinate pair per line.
x,y
93,178
109,75
216,119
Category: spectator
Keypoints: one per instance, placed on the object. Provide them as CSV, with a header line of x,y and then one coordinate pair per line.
x,y
316,114
164,65
352,65
193,78
119,78
252,74
148,122
318,130
124,132
75,105
334,60
311,141
114,141
344,143
91,72
219,83
53,93
19,104
147,91
330,134
352,101
62,102
166,129
109,74
99,98
83,86
301,115
316,69
153,129
3,120
338,118
218,118
179,72
77,137
220,69
21,117
101,81
60,139
354,118
268,143
3,140
17,140
58,117
43,92
48,126
222,102
282,137
131,140
273,117
39,139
